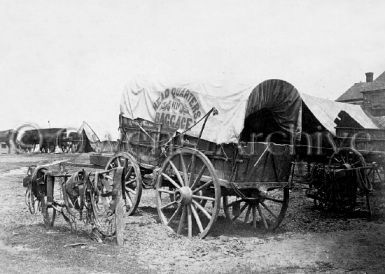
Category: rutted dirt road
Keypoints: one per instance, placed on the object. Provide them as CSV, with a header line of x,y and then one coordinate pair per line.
x,y
308,241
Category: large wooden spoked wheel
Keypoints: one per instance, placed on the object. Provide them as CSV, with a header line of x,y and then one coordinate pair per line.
x,y
39,190
343,192
188,193
266,209
132,189
103,200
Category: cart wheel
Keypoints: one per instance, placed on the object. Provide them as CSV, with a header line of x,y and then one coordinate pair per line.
x,y
30,200
343,195
188,193
266,208
132,191
49,213
101,199
347,158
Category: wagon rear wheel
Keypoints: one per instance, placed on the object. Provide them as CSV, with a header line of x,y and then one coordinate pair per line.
x,y
343,192
266,209
188,193
132,189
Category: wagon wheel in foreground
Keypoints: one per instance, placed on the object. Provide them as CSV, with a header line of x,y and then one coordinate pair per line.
x,y
343,191
102,193
188,193
132,190
31,200
101,200
266,207
40,191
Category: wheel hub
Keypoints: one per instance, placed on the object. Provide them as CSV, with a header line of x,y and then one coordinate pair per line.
x,y
184,195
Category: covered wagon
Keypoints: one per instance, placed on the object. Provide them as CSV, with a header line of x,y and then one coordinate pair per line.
x,y
198,148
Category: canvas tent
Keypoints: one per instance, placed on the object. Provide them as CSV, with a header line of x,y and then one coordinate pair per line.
x,y
88,138
274,105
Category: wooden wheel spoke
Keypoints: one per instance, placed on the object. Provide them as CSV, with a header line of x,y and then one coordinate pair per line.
x,y
254,216
203,198
176,171
197,219
166,191
184,170
170,180
268,209
199,176
191,168
118,162
189,221
168,205
240,212
202,209
343,159
181,221
355,163
130,190
130,182
262,216
129,172
247,214
174,214
202,186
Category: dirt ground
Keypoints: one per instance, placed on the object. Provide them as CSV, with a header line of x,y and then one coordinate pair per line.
x,y
307,241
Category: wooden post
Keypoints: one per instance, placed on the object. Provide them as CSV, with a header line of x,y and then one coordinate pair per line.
x,y
119,212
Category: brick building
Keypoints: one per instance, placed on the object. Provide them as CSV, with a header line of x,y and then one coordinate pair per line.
x,y
370,94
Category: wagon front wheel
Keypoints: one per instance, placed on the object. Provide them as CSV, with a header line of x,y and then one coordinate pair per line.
x,y
188,193
132,189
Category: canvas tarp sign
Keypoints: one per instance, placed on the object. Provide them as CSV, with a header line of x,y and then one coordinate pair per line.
x,y
180,106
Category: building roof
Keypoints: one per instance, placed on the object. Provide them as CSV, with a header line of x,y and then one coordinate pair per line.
x,y
380,78
354,93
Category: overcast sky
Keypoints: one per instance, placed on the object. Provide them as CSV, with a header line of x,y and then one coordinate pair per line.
x,y
68,61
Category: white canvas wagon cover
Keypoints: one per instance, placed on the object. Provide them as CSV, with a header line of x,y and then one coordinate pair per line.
x,y
181,105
